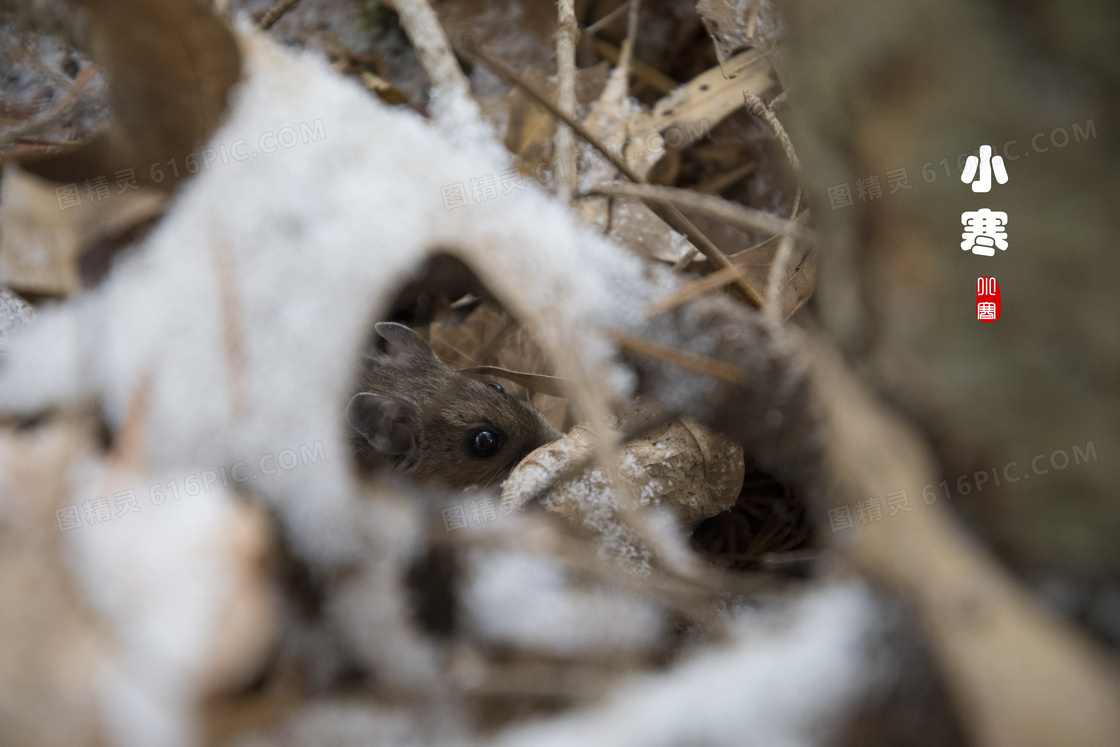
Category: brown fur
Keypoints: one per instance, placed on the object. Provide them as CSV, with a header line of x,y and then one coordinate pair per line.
x,y
447,408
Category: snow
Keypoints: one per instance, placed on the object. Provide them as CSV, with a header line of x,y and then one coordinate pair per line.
x,y
783,681
532,602
15,314
161,582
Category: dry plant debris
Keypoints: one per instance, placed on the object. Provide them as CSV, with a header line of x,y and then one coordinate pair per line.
x,y
596,205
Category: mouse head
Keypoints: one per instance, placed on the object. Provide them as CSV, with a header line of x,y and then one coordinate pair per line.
x,y
438,425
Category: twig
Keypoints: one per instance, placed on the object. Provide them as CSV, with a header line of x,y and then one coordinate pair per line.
x,y
731,213
127,453
679,223
676,357
544,100
567,33
274,13
647,74
717,184
778,269
774,280
553,386
627,51
433,49
689,291
668,213
608,19
755,106
752,19
233,334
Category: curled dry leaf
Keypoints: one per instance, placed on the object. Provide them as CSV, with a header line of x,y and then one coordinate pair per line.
x,y
773,413
682,466
171,64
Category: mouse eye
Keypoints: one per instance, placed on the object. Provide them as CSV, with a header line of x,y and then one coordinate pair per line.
x,y
485,442
495,385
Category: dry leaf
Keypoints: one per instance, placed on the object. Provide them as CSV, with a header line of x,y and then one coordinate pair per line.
x,y
530,129
709,97
171,64
735,25
41,243
385,90
52,645
612,119
682,466
690,111
490,342
472,342
754,264
639,229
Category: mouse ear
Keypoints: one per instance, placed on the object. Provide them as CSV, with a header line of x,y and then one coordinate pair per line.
x,y
387,423
403,340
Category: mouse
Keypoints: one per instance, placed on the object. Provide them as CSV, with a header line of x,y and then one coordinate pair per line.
x,y
416,415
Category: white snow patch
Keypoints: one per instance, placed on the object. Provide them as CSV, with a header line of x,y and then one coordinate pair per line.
x,y
158,580
783,682
531,602
15,314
